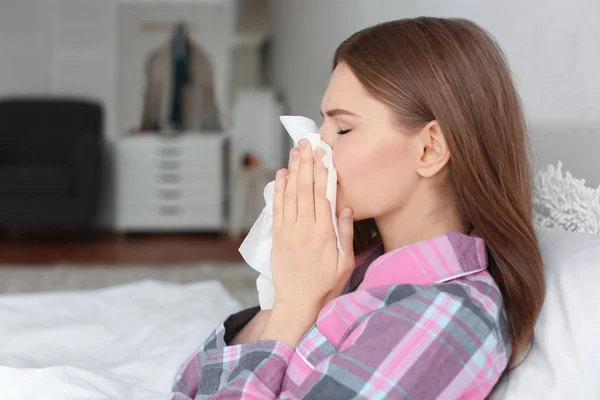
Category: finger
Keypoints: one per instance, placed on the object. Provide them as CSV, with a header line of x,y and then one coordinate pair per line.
x,y
306,178
278,198
346,232
322,204
290,197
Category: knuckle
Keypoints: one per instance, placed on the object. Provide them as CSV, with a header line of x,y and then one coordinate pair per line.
x,y
305,184
307,155
304,240
290,191
289,197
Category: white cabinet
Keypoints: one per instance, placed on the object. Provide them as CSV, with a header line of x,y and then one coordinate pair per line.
x,y
256,130
171,183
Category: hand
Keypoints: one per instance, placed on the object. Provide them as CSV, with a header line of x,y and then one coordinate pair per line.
x,y
308,270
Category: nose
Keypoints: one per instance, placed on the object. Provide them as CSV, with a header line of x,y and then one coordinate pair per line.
x,y
325,136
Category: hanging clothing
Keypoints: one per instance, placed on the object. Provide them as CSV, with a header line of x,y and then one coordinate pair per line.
x,y
180,88
182,74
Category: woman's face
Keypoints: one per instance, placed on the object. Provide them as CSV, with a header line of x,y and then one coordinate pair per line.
x,y
376,162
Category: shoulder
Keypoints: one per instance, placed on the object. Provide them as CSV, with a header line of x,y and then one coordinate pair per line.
x,y
421,328
469,306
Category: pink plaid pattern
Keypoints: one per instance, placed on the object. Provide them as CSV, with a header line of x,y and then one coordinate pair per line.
x,y
426,322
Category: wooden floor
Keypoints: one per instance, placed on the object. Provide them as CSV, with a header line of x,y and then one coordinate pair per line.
x,y
115,249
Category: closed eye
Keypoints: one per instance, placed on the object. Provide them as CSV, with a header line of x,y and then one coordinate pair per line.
x,y
344,131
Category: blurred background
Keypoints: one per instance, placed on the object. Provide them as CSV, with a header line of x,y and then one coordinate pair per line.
x,y
136,136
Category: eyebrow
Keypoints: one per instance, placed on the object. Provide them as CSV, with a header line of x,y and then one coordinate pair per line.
x,y
337,111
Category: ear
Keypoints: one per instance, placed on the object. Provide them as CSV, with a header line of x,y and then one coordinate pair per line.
x,y
434,150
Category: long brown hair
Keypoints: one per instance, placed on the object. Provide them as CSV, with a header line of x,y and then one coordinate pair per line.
x,y
452,71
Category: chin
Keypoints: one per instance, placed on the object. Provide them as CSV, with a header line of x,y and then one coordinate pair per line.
x,y
343,203
356,214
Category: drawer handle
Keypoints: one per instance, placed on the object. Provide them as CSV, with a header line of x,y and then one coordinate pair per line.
x,y
169,211
169,165
169,178
169,152
169,194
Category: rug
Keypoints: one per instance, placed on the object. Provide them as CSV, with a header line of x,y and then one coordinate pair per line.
x,y
238,279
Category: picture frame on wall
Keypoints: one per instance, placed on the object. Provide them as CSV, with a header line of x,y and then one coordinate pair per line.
x,y
174,66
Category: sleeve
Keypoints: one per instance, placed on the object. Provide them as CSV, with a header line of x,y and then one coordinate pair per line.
x,y
149,120
429,345
187,378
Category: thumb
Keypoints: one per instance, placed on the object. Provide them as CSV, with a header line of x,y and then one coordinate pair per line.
x,y
346,231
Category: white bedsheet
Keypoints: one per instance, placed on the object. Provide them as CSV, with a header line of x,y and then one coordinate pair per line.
x,y
123,342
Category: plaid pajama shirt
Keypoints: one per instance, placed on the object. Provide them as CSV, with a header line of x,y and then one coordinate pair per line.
x,y
421,322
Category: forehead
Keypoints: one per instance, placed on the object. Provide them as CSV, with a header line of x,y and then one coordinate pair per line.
x,y
345,90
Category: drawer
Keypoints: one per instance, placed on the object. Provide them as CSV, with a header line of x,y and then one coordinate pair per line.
x,y
141,165
172,218
170,208
201,179
196,149
154,197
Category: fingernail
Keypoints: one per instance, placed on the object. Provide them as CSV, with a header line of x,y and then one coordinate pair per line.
x,y
303,143
348,216
319,152
294,154
280,175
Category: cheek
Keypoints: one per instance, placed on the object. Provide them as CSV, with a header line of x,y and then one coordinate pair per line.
x,y
373,180
348,161
354,165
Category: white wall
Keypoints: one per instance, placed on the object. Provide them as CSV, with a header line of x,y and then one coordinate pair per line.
x,y
57,47
553,47
24,47
61,47
68,47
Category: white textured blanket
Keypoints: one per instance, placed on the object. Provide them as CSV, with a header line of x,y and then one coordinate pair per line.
x,y
123,342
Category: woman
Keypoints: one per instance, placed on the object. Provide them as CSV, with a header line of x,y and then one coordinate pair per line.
x,y
430,146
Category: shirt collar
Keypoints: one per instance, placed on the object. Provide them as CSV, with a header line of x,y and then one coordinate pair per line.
x,y
436,260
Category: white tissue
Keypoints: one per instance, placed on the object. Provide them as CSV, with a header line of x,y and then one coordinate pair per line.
x,y
256,247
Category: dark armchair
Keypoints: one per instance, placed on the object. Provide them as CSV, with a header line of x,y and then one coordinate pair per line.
x,y
50,162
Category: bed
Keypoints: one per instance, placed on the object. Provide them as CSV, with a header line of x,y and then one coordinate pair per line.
x,y
127,341
122,342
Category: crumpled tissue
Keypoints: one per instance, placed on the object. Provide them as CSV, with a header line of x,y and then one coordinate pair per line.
x,y
256,247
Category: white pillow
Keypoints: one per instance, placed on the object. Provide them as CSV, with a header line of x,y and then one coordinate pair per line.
x,y
565,360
